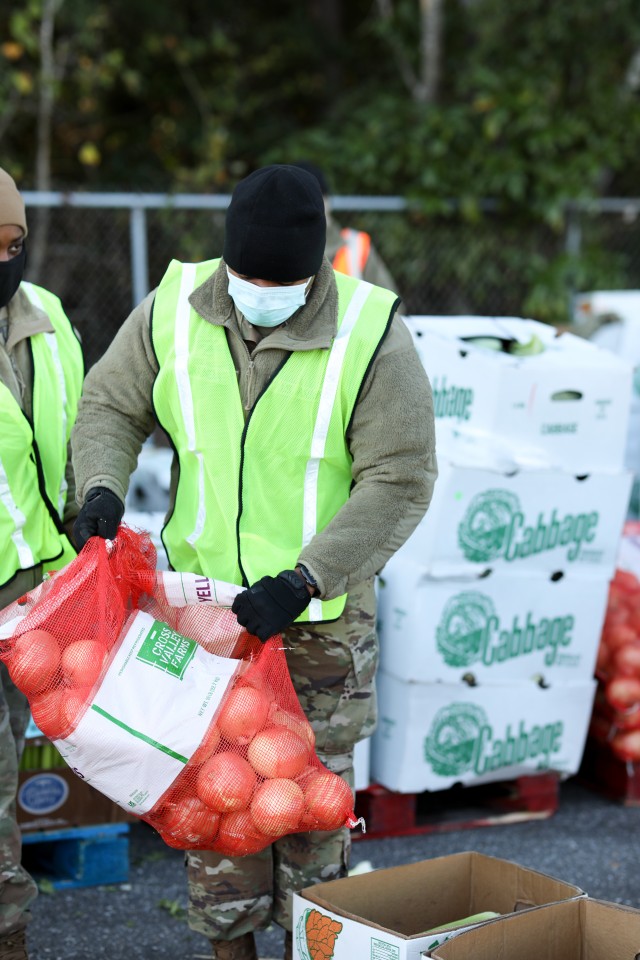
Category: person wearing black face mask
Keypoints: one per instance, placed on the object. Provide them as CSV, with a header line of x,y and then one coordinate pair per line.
x,y
41,372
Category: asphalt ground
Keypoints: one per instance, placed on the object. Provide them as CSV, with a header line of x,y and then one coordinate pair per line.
x,y
590,841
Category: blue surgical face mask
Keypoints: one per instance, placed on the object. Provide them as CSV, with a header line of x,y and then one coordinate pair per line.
x,y
266,306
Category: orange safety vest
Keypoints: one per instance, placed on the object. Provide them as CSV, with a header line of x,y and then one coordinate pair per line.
x,y
352,257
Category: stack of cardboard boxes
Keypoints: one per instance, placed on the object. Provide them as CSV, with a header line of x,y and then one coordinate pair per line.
x,y
464,906
490,615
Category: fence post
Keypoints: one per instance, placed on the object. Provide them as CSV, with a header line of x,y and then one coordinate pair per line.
x,y
139,254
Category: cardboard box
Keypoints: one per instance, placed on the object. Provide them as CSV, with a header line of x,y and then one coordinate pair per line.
x,y
495,628
53,799
531,520
432,735
566,407
573,930
386,914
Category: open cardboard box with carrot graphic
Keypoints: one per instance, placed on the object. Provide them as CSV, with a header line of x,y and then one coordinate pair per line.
x,y
403,912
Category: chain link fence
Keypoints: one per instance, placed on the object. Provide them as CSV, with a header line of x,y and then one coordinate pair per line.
x,y
102,253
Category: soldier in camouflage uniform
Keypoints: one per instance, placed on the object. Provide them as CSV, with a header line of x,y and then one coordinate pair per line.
x,y
20,321
274,244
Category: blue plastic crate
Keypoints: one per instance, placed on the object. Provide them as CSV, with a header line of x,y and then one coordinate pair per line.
x,y
79,856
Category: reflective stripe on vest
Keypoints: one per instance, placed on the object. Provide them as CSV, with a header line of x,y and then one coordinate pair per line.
x,y
251,494
352,257
33,457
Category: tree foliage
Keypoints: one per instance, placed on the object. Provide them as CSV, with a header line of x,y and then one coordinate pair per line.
x,y
533,102
536,103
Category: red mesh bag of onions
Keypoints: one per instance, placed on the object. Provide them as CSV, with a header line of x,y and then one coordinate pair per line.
x,y
156,696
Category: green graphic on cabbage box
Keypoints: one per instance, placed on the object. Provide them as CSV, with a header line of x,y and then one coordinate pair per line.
x,y
451,744
316,935
167,650
483,531
460,635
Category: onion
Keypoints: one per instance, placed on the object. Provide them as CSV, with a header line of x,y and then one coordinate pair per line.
x,y
238,836
329,801
214,629
243,713
299,725
189,820
226,782
208,745
34,660
623,693
253,676
277,807
73,703
45,710
82,662
278,752
626,746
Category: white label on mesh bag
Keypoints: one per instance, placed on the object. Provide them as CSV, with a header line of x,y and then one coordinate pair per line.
x,y
8,629
149,714
183,589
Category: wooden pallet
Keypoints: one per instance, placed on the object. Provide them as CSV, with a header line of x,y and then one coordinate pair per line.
x,y
604,773
78,856
389,814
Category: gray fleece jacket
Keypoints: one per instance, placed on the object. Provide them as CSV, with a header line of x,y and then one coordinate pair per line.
x,y
391,436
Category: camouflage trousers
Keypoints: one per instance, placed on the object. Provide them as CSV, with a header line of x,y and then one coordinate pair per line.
x,y
17,888
332,666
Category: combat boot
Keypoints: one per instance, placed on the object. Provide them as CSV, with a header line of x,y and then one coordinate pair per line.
x,y
13,946
242,948
288,945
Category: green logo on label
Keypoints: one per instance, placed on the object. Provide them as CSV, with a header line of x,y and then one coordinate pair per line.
x,y
470,631
453,738
167,650
462,629
494,526
462,740
483,531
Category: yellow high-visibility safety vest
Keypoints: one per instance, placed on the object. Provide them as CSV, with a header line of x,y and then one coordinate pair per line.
x,y
33,454
351,258
251,494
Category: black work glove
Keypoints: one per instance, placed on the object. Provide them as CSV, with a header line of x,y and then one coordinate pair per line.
x,y
272,604
99,516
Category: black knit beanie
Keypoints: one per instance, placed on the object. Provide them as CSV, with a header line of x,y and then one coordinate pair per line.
x,y
276,226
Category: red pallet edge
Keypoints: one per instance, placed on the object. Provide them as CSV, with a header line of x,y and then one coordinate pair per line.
x,y
387,813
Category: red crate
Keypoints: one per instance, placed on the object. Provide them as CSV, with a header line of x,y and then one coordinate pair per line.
x,y
387,813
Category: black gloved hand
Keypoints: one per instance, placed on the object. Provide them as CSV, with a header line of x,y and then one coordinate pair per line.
x,y
272,604
99,516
